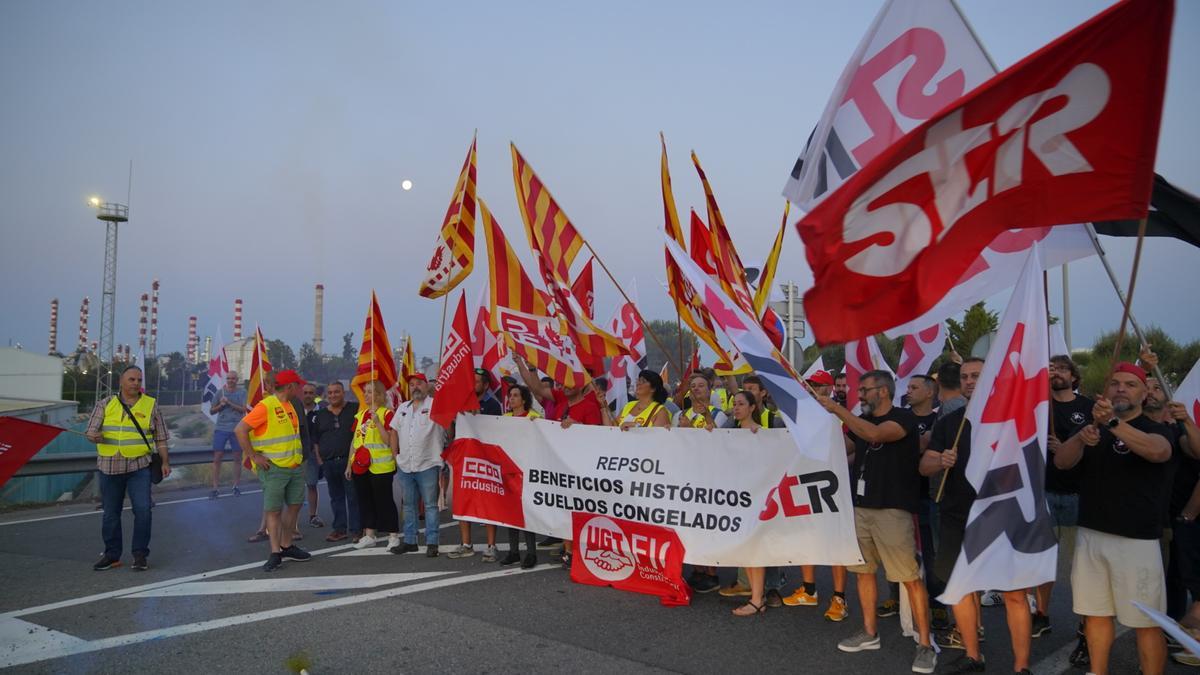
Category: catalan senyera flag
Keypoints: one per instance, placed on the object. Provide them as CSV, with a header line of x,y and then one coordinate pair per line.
x,y
375,356
454,255
521,312
687,304
730,271
555,243
584,289
260,365
763,294
408,366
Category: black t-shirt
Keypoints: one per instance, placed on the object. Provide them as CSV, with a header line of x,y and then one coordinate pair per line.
x,y
889,470
924,423
1068,418
959,494
1119,492
489,405
333,433
1186,473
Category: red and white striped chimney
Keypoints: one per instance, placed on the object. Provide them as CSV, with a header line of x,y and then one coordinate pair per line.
x,y
237,319
128,354
191,342
153,347
143,308
83,327
53,326
319,319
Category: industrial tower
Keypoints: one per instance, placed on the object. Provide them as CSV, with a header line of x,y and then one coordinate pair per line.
x,y
112,214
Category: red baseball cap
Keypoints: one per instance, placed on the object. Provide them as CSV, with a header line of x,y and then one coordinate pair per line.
x,y
1127,367
822,377
285,377
419,376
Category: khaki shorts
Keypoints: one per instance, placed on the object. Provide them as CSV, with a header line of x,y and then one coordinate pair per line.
x,y
886,536
1110,572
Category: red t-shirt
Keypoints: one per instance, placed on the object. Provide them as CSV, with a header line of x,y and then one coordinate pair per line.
x,y
586,411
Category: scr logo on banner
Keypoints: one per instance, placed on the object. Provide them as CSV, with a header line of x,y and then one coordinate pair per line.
x,y
820,487
611,556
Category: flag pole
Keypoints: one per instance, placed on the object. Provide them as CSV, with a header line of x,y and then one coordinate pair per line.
x,y
1127,301
946,472
1046,301
442,335
679,335
1112,277
645,325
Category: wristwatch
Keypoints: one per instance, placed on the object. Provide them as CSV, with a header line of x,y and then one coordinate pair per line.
x,y
1112,423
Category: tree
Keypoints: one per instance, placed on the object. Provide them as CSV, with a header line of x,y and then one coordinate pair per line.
x,y
1174,360
977,322
349,352
668,333
312,365
281,356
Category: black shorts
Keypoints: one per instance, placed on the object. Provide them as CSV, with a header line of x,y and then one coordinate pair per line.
x,y
950,540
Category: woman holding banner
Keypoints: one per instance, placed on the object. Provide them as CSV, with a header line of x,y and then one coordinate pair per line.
x,y
647,410
520,400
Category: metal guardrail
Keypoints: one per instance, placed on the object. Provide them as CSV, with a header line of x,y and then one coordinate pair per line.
x,y
83,462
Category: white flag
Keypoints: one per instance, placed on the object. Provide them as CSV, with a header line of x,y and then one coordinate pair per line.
x,y
862,356
1188,393
218,368
1009,539
919,351
819,364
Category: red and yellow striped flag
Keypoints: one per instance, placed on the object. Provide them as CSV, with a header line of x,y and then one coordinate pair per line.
x,y
521,313
258,388
687,303
454,256
767,277
408,366
730,271
555,243
375,356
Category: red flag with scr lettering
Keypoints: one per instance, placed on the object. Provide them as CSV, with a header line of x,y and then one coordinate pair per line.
x,y
1066,135
20,440
455,391
629,556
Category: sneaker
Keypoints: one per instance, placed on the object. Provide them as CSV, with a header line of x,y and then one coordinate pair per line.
x,y
431,551
393,541
705,583
105,563
773,599
1186,658
1079,656
969,665
888,608
296,553
237,491
951,639
402,548
139,563
860,641
734,591
511,559
925,660
214,494
366,541
837,610
801,598
336,536
1041,625
991,599
274,562
489,554
940,620
529,562
463,551
549,542
315,521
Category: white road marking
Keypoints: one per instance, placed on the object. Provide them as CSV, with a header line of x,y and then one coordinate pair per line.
x,y
94,511
30,641
359,552
331,583
14,658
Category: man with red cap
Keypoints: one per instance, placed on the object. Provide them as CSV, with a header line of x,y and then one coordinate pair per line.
x,y
1124,483
270,436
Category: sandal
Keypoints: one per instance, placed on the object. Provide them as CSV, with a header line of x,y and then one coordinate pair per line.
x,y
261,535
750,609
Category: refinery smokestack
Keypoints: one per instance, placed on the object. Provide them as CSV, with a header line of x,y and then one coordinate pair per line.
x,y
53,326
191,342
319,319
207,349
83,328
237,319
142,309
153,348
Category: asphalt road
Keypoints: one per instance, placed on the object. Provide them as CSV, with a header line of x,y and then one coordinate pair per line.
x,y
205,606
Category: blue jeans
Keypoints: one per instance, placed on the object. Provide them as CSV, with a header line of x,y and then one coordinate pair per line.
x,y
427,483
113,489
341,495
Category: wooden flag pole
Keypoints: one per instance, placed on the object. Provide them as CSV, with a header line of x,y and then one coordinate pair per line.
x,y
946,472
679,335
1127,302
442,334
645,326
1046,300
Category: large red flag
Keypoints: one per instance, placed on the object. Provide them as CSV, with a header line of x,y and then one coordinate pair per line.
x,y
20,440
456,380
1067,135
584,290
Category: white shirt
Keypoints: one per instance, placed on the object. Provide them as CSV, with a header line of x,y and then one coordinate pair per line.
x,y
420,439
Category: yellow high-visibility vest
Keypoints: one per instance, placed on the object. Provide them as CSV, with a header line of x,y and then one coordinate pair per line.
x,y
642,419
118,434
531,414
695,419
280,443
372,437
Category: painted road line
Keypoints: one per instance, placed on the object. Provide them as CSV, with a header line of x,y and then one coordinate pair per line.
x,y
342,582
359,552
94,512
146,587
30,641
43,652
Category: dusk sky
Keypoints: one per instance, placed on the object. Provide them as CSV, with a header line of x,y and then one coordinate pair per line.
x,y
269,141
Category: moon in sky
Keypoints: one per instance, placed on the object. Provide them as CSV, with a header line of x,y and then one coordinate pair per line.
x,y
406,184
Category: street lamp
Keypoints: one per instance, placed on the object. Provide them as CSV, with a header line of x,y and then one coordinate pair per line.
x,y
112,214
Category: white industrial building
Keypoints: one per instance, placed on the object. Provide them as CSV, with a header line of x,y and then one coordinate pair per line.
x,y
31,387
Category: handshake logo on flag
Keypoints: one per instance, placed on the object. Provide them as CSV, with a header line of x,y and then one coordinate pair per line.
x,y
629,555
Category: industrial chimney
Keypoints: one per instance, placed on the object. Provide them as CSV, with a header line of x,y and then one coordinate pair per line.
x,y
83,327
237,319
143,308
153,320
53,326
319,319
192,344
